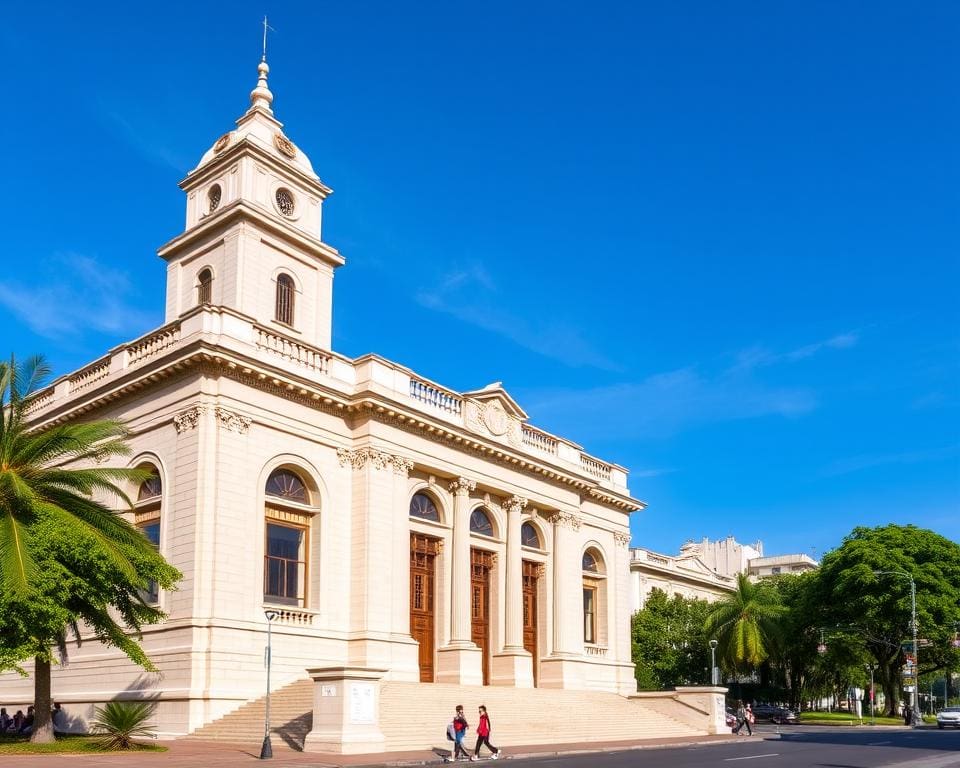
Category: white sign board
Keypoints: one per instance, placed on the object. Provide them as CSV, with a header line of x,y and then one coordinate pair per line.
x,y
362,704
328,690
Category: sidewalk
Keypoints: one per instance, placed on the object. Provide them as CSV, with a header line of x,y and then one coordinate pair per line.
x,y
208,754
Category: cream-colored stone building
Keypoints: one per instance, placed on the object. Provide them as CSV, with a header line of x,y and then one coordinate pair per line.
x,y
387,522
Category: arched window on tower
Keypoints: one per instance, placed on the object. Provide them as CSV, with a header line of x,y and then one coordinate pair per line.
x,y
146,510
205,287
285,296
594,598
288,516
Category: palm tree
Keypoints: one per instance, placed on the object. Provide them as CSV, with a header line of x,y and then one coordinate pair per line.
x,y
746,624
48,479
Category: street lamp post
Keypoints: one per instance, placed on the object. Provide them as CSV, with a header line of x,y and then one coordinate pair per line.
x,y
915,697
713,663
266,750
871,667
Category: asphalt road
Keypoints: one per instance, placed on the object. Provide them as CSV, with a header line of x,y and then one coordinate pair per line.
x,y
791,747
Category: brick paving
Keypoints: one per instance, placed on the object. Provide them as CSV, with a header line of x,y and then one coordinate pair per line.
x,y
186,753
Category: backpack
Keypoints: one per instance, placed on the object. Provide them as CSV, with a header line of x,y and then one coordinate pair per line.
x,y
451,732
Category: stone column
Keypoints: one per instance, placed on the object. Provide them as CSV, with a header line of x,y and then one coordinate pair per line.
x,y
460,634
514,666
562,668
514,587
459,661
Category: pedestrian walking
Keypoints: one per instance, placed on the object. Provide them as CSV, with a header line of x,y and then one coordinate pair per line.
x,y
483,736
460,728
742,719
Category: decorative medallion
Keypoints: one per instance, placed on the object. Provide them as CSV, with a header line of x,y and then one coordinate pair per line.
x,y
496,419
222,143
285,202
491,419
284,145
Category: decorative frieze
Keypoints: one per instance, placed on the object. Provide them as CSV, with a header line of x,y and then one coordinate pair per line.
x,y
358,458
567,520
188,419
232,421
462,486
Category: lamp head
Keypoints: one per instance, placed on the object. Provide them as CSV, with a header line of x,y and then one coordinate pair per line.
x,y
713,643
271,615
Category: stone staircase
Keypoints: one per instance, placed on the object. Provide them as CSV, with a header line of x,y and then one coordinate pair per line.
x,y
413,716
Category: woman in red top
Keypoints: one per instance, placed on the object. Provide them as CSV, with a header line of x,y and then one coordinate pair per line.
x,y
483,735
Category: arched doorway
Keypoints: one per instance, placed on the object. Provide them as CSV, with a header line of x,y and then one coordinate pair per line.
x,y
423,569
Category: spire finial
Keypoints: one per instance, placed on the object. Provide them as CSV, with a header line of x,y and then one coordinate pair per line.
x,y
260,97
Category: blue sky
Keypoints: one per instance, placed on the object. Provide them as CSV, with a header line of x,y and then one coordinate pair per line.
x,y
714,242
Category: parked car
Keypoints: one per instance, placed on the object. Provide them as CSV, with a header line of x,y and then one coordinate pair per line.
x,y
774,714
948,716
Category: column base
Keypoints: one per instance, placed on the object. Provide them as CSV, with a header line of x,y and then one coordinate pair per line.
x,y
460,665
346,711
562,672
513,667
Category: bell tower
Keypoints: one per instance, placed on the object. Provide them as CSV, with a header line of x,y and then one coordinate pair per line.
x,y
252,241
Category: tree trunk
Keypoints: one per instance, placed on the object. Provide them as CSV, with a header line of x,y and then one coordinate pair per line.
x,y
42,732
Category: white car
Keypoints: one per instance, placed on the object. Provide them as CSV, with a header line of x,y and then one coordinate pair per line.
x,y
948,716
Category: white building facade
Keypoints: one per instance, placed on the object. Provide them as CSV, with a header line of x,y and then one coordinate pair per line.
x,y
387,521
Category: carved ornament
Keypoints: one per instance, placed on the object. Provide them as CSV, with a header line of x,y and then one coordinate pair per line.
x,y
515,504
566,520
462,486
622,539
232,421
188,419
360,457
491,419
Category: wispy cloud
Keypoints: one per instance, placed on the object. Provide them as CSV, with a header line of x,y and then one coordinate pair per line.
x,y
642,473
760,357
871,460
142,140
74,294
471,295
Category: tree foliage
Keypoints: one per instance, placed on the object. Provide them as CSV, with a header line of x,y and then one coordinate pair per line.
x,y
746,624
65,557
669,644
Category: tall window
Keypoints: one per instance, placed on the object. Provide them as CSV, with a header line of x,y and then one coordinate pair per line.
x,y
286,539
594,597
285,295
205,287
147,520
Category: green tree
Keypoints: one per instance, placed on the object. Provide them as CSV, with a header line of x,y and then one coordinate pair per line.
x,y
669,644
877,606
746,624
66,557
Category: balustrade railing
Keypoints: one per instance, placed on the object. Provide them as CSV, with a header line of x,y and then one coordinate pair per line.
x,y
596,468
540,441
148,346
595,650
292,350
441,399
90,375
293,617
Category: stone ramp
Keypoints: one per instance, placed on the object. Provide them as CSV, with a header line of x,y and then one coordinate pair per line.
x,y
413,716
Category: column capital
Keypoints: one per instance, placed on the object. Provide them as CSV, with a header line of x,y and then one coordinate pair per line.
x,y
622,539
565,520
462,486
515,504
358,458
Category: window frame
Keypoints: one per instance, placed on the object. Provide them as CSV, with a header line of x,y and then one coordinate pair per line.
x,y
284,307
204,286
302,563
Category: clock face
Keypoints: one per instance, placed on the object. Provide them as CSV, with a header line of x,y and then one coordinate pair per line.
x,y
284,145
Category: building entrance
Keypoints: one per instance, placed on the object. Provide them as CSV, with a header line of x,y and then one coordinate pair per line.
x,y
480,565
423,554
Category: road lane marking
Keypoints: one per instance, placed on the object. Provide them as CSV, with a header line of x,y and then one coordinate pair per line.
x,y
751,757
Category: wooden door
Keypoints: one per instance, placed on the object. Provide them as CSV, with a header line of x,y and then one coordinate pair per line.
x,y
423,553
531,573
480,564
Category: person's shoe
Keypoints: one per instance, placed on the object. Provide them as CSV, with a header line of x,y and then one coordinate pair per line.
x,y
496,755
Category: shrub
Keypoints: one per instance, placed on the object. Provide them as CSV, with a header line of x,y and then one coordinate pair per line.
x,y
120,722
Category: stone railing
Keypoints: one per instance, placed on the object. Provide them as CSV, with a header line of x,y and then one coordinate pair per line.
x,y
598,469
291,350
40,400
152,344
90,375
292,617
539,441
594,650
434,396
650,557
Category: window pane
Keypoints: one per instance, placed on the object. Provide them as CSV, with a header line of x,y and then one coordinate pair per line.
x,y
588,615
284,572
286,485
529,536
590,562
151,594
149,488
422,506
480,522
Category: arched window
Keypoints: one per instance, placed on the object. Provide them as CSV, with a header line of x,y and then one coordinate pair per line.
x,y
529,537
594,598
286,538
285,296
480,522
146,514
422,506
213,198
205,287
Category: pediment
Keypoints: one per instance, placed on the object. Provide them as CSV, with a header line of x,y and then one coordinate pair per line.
x,y
495,393
695,564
